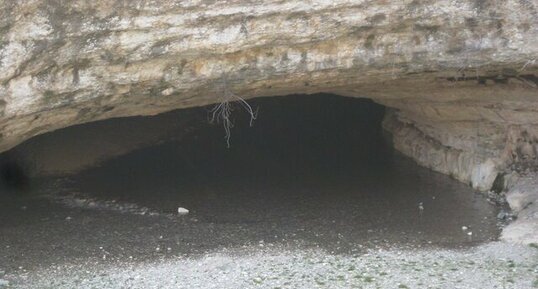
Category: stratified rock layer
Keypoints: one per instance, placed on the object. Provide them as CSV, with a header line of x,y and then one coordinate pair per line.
x,y
460,76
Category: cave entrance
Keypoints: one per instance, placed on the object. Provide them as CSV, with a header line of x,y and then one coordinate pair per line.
x,y
313,170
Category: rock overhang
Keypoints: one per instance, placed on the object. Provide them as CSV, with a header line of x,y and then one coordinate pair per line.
x,y
460,77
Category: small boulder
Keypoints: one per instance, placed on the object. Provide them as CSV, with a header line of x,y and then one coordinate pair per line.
x,y
182,211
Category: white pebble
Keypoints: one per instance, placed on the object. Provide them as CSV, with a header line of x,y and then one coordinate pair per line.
x,y
464,228
470,233
182,211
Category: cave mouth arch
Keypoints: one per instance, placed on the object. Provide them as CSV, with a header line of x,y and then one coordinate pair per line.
x,y
313,168
317,123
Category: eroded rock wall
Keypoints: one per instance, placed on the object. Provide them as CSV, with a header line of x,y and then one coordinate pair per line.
x,y
69,62
473,151
460,77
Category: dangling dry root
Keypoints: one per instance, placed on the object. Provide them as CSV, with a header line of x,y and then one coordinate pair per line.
x,y
222,111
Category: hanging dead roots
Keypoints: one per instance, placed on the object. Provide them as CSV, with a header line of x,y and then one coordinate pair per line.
x,y
222,111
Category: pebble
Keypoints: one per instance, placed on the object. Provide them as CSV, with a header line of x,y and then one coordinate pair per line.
x,y
504,215
464,228
182,211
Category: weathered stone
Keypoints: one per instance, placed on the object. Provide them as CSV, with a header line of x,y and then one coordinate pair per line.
x,y
460,76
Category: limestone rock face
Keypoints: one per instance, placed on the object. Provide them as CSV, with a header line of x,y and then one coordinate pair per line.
x,y
522,197
459,76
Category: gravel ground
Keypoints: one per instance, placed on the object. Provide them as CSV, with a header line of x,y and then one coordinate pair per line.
x,y
493,265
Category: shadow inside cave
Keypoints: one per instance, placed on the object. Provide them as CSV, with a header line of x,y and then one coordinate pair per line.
x,y
313,170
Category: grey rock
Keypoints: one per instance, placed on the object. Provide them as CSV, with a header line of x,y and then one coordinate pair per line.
x,y
461,91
